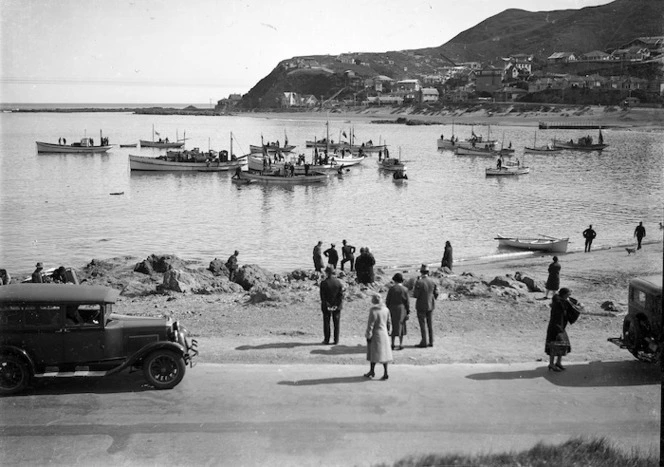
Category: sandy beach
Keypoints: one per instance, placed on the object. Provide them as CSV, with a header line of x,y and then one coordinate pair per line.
x,y
473,322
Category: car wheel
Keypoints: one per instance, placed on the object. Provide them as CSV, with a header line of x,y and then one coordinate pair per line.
x,y
14,374
164,369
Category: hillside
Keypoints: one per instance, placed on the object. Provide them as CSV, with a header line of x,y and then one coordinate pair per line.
x,y
513,31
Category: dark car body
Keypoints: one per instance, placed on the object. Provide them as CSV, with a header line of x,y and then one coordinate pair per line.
x,y
71,330
642,327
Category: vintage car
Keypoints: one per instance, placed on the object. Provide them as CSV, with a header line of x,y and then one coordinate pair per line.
x,y
642,327
65,330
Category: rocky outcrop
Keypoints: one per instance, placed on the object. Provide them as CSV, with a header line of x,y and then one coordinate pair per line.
x,y
218,267
250,275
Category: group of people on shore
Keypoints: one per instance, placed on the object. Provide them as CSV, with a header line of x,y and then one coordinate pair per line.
x,y
589,235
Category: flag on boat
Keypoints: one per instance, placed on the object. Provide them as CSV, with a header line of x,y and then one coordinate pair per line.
x,y
157,133
344,133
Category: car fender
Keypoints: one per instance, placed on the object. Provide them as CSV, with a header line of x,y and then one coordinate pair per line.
x,y
19,352
146,350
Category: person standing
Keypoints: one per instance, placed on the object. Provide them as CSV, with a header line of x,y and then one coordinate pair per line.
x,y
378,337
5,278
425,293
37,276
398,303
447,256
348,255
331,302
639,233
318,257
231,265
553,281
557,342
332,255
361,267
370,263
589,234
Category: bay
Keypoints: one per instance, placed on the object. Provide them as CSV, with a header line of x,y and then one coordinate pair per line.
x,y
58,208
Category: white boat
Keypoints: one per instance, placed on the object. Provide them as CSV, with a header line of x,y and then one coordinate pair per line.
x,y
277,177
256,162
392,164
162,143
507,168
84,146
476,151
549,148
542,243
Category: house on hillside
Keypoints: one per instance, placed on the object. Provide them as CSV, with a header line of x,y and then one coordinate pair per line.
x,y
654,44
231,101
487,79
408,85
508,94
519,64
377,83
428,95
471,65
595,56
561,57
632,54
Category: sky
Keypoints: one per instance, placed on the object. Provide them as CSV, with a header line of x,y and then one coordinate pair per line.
x,y
200,51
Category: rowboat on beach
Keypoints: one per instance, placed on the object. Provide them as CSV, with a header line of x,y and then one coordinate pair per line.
x,y
541,243
85,145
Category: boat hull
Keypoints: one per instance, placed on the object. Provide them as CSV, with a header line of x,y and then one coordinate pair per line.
x,y
256,163
151,164
256,177
506,171
69,149
391,165
465,151
581,147
553,245
162,145
542,150
270,149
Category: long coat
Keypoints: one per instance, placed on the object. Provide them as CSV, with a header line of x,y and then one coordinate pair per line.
x,y
318,258
553,281
425,293
379,347
447,257
398,303
557,341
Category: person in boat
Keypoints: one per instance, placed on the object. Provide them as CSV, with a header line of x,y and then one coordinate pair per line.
x,y
238,172
292,169
64,140
499,163
60,141
518,163
306,169
340,170
380,156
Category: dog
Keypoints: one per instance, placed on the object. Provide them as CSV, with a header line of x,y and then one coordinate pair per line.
x,y
630,251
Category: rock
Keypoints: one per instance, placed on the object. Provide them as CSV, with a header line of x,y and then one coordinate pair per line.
x,y
298,275
250,275
608,306
144,267
446,270
179,281
218,267
260,294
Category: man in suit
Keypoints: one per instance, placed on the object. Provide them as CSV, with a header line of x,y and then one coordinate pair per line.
x,y
425,293
639,233
589,234
331,302
332,256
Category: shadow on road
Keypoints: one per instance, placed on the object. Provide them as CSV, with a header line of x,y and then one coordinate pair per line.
x,y
276,345
119,383
314,382
341,350
593,374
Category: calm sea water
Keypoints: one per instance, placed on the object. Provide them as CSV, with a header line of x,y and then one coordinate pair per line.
x,y
58,209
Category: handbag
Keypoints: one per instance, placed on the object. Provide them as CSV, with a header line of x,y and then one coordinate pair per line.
x,y
573,312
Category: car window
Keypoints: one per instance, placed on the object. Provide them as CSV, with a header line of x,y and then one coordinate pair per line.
x,y
43,316
84,315
11,316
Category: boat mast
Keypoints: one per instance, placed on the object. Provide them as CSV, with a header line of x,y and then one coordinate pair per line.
x,y
153,132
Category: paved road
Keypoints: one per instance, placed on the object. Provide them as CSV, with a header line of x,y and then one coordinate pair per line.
x,y
246,415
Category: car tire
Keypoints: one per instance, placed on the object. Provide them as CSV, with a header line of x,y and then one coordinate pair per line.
x,y
14,374
164,369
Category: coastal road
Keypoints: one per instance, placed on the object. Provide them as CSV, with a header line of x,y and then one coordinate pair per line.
x,y
245,415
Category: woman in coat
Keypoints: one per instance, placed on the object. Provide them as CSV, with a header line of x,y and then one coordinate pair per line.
x,y
398,303
553,281
557,342
378,337
447,256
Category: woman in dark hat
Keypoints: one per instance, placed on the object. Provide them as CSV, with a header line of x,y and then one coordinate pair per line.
x,y
557,342
37,274
399,305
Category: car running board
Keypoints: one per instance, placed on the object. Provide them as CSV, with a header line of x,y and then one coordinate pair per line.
x,y
71,374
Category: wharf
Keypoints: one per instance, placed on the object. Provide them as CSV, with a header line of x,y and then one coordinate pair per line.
x,y
570,126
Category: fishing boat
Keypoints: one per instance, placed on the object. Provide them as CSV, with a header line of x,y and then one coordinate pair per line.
x,y
85,145
271,147
478,139
279,177
129,145
392,164
162,143
261,162
451,143
507,168
583,144
189,161
476,151
541,243
549,148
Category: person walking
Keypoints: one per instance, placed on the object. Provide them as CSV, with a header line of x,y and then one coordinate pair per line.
x,y
332,255
639,233
231,265
348,255
447,256
589,234
553,281
318,257
378,337
557,341
398,303
425,293
37,276
331,302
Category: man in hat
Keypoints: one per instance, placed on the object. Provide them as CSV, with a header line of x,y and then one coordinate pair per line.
x,y
331,302
37,276
332,256
425,293
231,264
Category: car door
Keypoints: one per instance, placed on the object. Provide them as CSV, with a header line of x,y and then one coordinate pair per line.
x,y
83,334
43,335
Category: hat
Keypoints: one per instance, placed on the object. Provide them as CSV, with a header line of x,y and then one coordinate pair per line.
x,y
424,268
397,277
236,252
333,244
564,291
39,265
329,269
